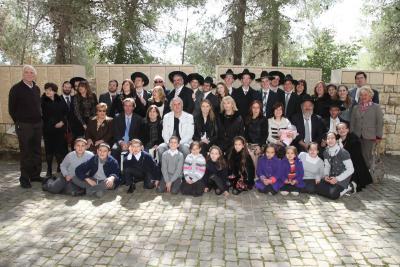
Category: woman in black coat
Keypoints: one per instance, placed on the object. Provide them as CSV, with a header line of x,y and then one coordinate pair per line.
x,y
152,129
127,91
54,113
230,124
321,100
352,144
256,130
205,127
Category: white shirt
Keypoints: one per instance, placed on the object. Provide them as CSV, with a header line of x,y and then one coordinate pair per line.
x,y
139,93
275,89
178,91
67,97
30,86
309,126
111,95
173,152
137,156
230,89
357,94
331,127
206,94
245,90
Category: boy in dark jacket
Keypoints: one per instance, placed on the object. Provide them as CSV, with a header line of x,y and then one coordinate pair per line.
x,y
99,173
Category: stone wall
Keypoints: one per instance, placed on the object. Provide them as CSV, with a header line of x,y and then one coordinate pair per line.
x,y
312,76
106,72
388,85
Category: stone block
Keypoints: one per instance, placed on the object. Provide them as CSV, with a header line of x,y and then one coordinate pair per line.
x,y
393,142
375,78
390,119
389,88
383,98
397,110
394,100
348,76
389,109
389,128
389,78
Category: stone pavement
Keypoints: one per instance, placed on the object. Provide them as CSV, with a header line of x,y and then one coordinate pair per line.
x,y
146,229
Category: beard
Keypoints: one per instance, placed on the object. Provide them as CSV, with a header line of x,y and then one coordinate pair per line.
x,y
307,114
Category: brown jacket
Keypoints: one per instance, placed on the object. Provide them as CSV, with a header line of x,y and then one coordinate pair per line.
x,y
105,131
368,124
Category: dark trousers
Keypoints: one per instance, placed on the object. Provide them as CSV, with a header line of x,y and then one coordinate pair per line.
x,y
331,191
309,187
29,138
62,186
217,183
289,188
268,189
134,175
196,189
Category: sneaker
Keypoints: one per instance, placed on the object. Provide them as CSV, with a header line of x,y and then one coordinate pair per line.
x,y
284,193
354,186
294,193
349,188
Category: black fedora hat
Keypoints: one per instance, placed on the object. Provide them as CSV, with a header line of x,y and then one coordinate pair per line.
x,y
177,72
76,79
246,72
264,74
140,75
195,76
289,78
307,98
228,72
210,80
336,104
279,74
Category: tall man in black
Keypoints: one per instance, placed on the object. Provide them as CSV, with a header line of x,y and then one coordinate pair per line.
x,y
289,98
269,97
310,126
179,79
109,97
244,95
25,110
142,96
207,94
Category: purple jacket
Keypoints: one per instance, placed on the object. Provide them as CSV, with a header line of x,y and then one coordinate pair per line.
x,y
268,168
285,170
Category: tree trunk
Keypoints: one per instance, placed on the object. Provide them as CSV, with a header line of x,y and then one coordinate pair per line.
x,y
239,24
62,29
185,36
275,33
24,42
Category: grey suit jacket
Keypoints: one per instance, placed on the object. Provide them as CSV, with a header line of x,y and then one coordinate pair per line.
x,y
368,124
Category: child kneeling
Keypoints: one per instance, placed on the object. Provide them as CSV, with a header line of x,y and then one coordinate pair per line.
x,y
193,170
292,173
268,168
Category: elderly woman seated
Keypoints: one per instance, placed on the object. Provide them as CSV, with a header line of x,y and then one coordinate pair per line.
x,y
99,129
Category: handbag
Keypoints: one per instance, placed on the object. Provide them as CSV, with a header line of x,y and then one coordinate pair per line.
x,y
377,166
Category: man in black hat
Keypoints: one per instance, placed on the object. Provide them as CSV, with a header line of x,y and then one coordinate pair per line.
x,y
195,81
277,79
269,97
141,80
334,119
289,98
229,78
207,94
179,79
109,97
310,127
24,107
244,95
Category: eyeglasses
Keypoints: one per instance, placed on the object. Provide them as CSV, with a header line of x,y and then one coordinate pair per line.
x,y
158,81
101,110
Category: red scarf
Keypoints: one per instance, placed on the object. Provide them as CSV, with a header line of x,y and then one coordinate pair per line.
x,y
364,107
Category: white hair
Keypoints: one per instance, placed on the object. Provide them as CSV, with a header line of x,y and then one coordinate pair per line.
x,y
175,99
158,77
29,67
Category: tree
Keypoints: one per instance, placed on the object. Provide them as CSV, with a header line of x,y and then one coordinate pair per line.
x,y
384,42
328,55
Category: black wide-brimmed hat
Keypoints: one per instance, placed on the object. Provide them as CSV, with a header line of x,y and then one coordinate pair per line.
x,y
335,104
246,72
228,72
289,77
76,79
195,76
264,74
279,74
307,98
180,73
140,75
210,80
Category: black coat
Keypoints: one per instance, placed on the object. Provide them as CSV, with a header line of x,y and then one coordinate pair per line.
x,y
243,101
146,134
186,96
256,130
119,126
294,104
361,175
53,111
273,98
229,127
321,106
214,102
106,98
234,167
318,129
73,124
211,128
118,108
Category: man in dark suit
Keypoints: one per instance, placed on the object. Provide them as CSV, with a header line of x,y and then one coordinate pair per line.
x,y
74,127
244,95
195,80
289,98
141,80
207,94
269,97
179,79
229,78
332,122
109,97
127,126
310,127
361,80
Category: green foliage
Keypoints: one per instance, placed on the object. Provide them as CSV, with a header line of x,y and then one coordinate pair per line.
x,y
326,54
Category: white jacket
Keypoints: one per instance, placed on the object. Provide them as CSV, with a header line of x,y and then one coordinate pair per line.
x,y
186,127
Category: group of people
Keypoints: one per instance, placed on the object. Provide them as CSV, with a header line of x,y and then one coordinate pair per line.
x,y
200,138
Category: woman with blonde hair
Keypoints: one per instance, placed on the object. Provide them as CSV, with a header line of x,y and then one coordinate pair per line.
x,y
159,99
230,124
100,129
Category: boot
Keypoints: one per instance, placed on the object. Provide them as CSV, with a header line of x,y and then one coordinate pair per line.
x,y
59,159
49,160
